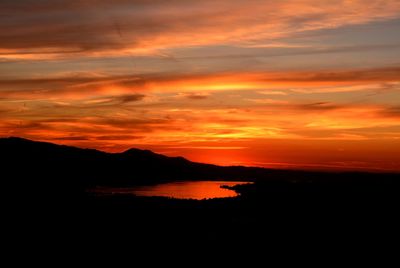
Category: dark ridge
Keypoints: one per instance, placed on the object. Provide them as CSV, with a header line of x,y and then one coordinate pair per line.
x,y
61,166
150,154
138,151
47,189
17,144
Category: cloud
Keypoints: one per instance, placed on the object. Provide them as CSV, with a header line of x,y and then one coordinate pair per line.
x,y
74,87
273,93
195,96
113,100
269,101
130,98
319,106
94,27
393,111
117,137
285,106
71,138
123,89
244,52
198,75
357,75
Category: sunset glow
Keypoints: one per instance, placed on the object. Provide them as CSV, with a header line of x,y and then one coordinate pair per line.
x,y
284,84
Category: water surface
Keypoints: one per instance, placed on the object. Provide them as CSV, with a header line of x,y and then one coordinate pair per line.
x,y
182,190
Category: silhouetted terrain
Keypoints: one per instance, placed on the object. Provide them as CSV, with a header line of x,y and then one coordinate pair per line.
x,y
47,185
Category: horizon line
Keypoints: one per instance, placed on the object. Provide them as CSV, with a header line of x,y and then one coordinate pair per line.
x,y
270,165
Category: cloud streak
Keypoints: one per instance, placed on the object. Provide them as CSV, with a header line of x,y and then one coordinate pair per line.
x,y
129,88
94,27
256,77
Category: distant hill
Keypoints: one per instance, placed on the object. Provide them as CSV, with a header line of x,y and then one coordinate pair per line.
x,y
32,162
42,168
31,158
41,180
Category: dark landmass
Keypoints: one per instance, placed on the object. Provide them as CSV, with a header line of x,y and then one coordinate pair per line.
x,y
46,188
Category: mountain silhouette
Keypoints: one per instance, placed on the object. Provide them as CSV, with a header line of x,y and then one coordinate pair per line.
x,y
47,191
21,156
33,162
43,166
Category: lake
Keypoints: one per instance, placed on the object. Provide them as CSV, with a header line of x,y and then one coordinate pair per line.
x,y
198,190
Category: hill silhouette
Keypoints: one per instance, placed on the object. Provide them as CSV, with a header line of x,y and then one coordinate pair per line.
x,y
45,165
67,164
46,189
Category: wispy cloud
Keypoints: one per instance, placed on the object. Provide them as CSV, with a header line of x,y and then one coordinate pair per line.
x,y
189,75
37,29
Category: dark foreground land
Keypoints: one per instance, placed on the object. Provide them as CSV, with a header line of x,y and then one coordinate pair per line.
x,y
46,188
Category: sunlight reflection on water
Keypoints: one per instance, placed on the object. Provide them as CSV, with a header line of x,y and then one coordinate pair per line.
x,y
181,190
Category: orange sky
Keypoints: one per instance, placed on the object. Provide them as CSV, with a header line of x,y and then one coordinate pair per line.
x,y
288,84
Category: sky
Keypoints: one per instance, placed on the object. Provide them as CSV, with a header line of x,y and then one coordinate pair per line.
x,y
303,84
